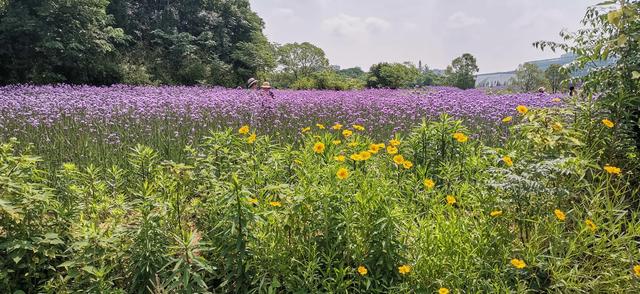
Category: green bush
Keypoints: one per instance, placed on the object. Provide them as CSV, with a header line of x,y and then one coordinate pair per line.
x,y
333,213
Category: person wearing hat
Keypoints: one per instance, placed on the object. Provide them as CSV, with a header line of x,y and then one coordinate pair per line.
x,y
252,84
266,90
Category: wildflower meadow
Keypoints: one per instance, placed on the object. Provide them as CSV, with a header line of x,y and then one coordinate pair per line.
x,y
196,190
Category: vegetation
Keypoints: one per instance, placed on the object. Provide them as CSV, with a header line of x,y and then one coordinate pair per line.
x,y
138,42
361,199
461,73
546,211
528,78
555,76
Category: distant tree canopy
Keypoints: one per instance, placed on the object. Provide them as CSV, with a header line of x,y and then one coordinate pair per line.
x,y
109,41
555,75
528,77
462,72
301,59
392,75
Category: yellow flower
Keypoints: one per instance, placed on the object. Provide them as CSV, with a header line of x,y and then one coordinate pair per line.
x,y
507,160
336,142
404,269
460,137
347,133
560,215
342,173
253,201
608,123
636,270
407,164
365,155
381,146
395,142
591,225
275,203
398,159
557,126
244,130
318,147
555,100
362,270
496,213
320,126
304,130
429,183
337,127
443,291
356,157
252,138
358,127
340,158
612,169
392,150
507,119
522,109
374,148
518,263
451,200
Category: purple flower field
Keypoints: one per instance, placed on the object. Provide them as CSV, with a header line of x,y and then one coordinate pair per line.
x,y
71,123
389,111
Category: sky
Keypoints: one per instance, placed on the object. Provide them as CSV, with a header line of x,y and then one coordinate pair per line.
x,y
499,33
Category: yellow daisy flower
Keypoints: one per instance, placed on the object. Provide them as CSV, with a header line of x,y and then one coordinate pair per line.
x,y
404,269
362,270
522,109
318,147
342,173
608,123
429,183
244,130
518,263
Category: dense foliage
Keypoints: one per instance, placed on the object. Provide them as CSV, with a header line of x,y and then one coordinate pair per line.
x,y
138,42
612,30
337,212
528,78
462,72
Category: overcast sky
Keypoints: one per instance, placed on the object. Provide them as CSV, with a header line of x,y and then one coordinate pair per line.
x,y
362,32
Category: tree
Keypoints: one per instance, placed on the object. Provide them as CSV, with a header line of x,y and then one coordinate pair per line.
x,y
301,59
56,41
354,72
193,41
555,75
610,29
392,75
461,73
528,77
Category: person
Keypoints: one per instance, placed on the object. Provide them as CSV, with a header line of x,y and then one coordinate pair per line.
x,y
572,89
252,84
266,90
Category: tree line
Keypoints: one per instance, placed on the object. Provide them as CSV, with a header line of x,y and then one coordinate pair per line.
x,y
190,42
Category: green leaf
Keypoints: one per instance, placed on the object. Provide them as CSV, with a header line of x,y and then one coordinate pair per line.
x,y
613,17
635,75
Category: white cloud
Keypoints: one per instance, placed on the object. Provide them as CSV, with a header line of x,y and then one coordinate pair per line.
x,y
462,20
352,26
283,12
538,18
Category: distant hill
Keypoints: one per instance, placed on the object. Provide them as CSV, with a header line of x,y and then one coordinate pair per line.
x,y
502,78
